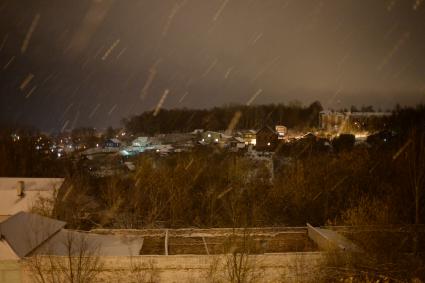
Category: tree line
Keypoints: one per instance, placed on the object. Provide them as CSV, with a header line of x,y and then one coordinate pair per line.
x,y
219,118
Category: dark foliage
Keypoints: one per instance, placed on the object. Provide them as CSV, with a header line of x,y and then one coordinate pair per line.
x,y
219,118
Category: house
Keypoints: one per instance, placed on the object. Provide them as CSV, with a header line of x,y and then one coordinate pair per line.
x,y
163,149
266,139
331,120
281,131
237,143
211,137
20,194
140,142
249,137
112,143
137,146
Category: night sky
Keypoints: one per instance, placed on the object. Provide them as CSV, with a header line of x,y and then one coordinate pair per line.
x,y
71,63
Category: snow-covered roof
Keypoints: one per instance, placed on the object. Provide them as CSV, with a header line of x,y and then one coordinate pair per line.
x,y
197,131
33,188
103,245
114,140
140,141
23,232
238,139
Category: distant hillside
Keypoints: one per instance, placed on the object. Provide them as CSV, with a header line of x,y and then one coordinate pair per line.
x,y
221,118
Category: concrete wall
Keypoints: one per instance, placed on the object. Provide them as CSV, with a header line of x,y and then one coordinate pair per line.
x,y
286,267
10,271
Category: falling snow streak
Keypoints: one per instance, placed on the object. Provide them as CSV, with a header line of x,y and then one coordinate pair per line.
x,y
100,50
48,78
112,110
121,52
173,13
29,33
64,126
109,51
266,68
92,20
220,10
183,97
335,95
4,42
31,91
402,70
254,41
94,111
234,122
394,50
8,63
226,76
209,69
26,81
66,110
74,122
161,102
151,77
256,94
189,164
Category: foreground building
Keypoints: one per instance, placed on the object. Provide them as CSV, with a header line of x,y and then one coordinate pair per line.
x,y
20,194
32,245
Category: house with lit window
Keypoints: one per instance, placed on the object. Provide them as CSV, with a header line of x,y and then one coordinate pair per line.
x,y
209,137
266,139
249,137
281,131
112,143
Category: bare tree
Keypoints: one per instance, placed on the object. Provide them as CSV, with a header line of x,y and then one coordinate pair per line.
x,y
80,264
238,265
414,156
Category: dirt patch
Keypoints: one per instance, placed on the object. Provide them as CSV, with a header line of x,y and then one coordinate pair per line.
x,y
153,246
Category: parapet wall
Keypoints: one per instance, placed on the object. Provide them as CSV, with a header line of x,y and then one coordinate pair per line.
x,y
288,267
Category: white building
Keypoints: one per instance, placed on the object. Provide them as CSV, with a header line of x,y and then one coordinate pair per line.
x,y
20,194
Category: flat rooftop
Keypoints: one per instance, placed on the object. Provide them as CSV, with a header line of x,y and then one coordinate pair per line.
x,y
218,241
